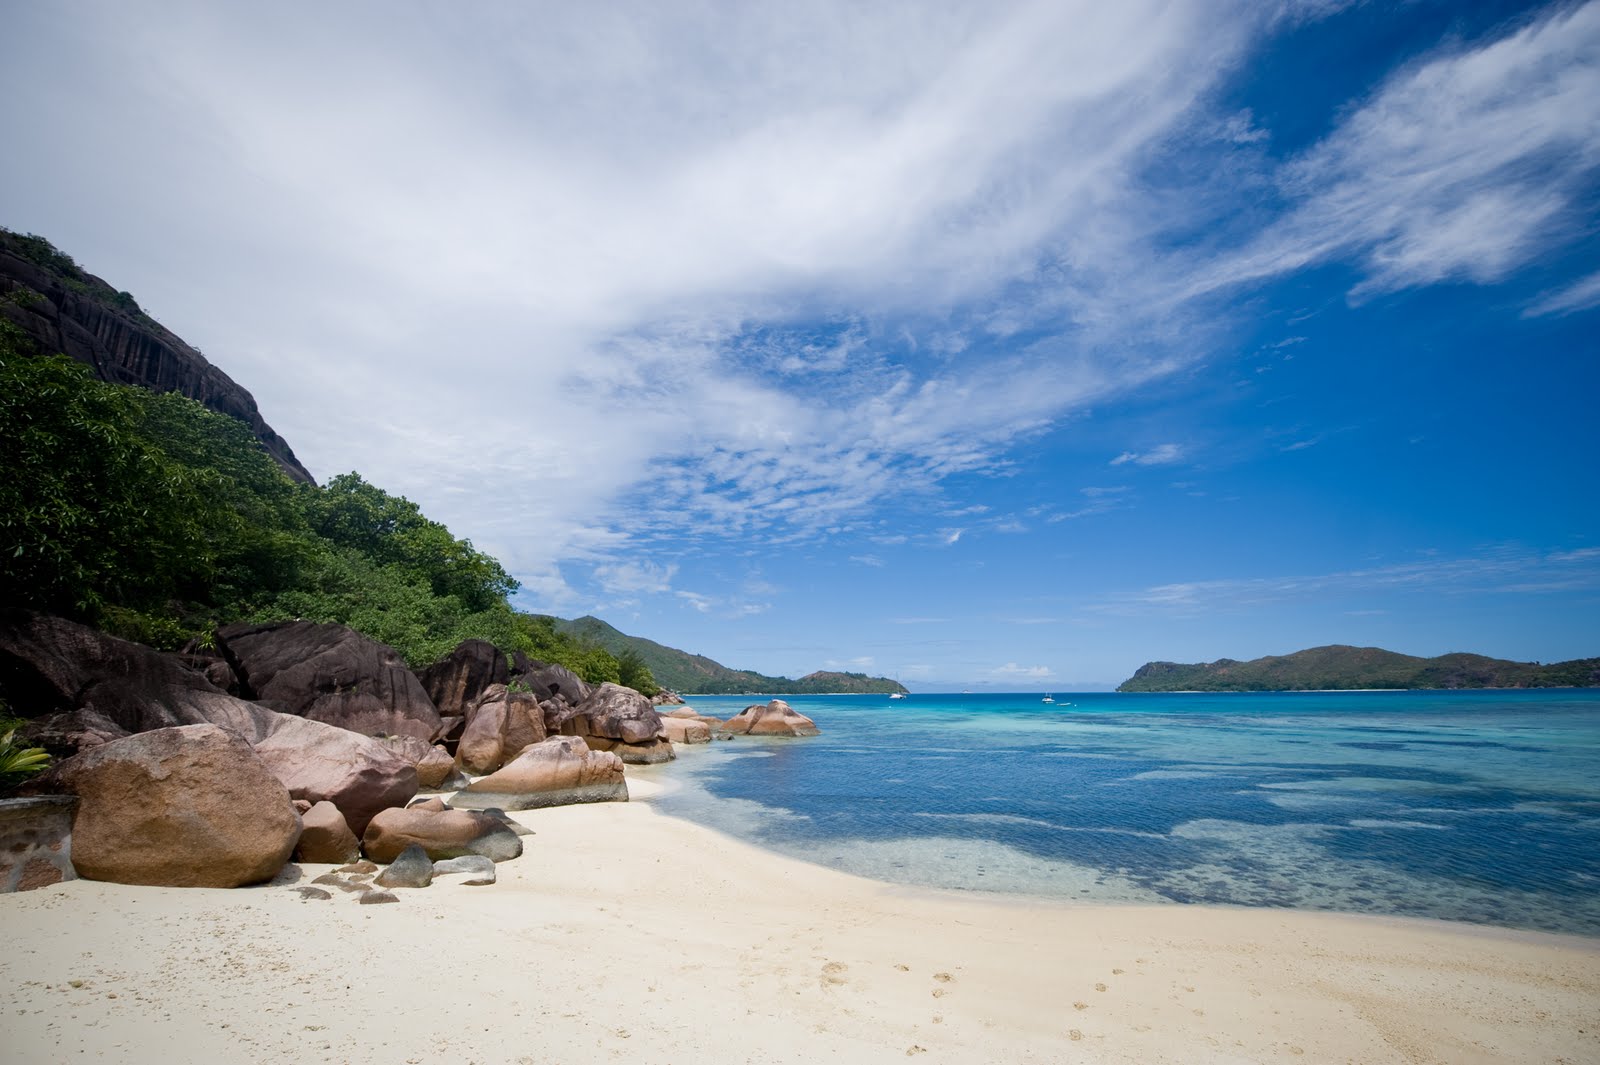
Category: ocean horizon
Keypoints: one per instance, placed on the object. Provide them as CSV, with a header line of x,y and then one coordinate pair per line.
x,y
1478,806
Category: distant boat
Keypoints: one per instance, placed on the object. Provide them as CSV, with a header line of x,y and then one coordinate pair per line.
x,y
1048,699
898,695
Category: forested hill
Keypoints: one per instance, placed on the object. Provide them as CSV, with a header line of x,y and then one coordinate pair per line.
x,y
698,675
1339,667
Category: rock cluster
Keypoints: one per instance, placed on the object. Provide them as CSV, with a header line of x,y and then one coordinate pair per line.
x,y
214,766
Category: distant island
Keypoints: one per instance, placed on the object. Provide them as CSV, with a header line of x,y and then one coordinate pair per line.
x,y
1339,667
691,674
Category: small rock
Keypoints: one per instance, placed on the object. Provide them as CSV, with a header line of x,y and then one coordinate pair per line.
x,y
313,893
411,868
374,897
333,880
363,866
478,869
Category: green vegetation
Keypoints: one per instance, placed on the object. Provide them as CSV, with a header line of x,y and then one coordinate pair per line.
x,y
157,520
699,675
1344,668
17,763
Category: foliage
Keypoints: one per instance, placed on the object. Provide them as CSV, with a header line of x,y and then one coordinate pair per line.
x,y
158,519
18,763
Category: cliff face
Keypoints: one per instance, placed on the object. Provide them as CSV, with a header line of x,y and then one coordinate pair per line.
x,y
65,309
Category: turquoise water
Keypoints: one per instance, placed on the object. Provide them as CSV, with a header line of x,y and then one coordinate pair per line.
x,y
1473,806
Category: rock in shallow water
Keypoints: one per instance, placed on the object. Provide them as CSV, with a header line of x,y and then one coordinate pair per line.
x,y
776,718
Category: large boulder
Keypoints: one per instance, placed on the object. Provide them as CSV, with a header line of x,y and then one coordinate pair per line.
x,y
561,771
326,838
457,680
500,724
433,763
318,762
332,674
191,806
546,680
686,730
440,833
776,718
617,719
612,712
93,688
89,687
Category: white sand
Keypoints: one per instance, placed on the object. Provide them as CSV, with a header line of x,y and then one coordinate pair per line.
x,y
625,935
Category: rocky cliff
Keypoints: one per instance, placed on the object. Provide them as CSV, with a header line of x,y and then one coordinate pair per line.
x,y
66,309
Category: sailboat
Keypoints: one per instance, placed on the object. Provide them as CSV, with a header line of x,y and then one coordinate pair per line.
x,y
1048,698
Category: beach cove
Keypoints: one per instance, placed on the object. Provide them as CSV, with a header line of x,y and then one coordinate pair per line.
x,y
626,935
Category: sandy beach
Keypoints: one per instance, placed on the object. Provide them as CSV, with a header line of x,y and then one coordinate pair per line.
x,y
626,935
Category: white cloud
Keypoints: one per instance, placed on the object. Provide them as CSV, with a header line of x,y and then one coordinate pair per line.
x,y
1507,571
1011,669
622,577
1462,167
1578,296
1160,455
867,560
580,280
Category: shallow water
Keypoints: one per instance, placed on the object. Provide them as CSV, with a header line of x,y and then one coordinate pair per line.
x,y
1475,806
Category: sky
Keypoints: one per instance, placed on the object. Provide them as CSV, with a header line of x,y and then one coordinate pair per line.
x,y
1002,346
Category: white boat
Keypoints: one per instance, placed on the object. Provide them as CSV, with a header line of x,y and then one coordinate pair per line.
x,y
898,695
1048,699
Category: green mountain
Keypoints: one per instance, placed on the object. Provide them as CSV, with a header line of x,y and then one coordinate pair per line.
x,y
690,674
1340,667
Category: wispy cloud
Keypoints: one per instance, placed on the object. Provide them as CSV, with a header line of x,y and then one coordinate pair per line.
x,y
1461,167
1013,671
867,560
1578,296
1160,455
1507,572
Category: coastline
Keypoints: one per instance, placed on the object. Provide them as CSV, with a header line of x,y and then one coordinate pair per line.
x,y
626,934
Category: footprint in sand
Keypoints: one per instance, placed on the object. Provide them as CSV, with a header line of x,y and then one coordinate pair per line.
x,y
913,1050
833,973
1080,1005
1099,987
903,968
1074,1035
943,978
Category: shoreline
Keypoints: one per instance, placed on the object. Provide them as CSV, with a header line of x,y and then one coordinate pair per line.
x,y
627,934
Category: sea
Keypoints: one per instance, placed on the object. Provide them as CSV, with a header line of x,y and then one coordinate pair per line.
x,y
1479,806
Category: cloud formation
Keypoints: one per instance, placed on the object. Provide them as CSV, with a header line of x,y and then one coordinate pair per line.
x,y
597,285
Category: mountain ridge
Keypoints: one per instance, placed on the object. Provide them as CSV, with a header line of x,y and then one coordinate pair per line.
x,y
1341,667
692,674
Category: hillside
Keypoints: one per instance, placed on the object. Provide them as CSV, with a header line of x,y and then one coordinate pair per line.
x,y
63,308
1340,667
692,674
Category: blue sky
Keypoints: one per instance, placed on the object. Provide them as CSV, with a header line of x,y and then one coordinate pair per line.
x,y
985,345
